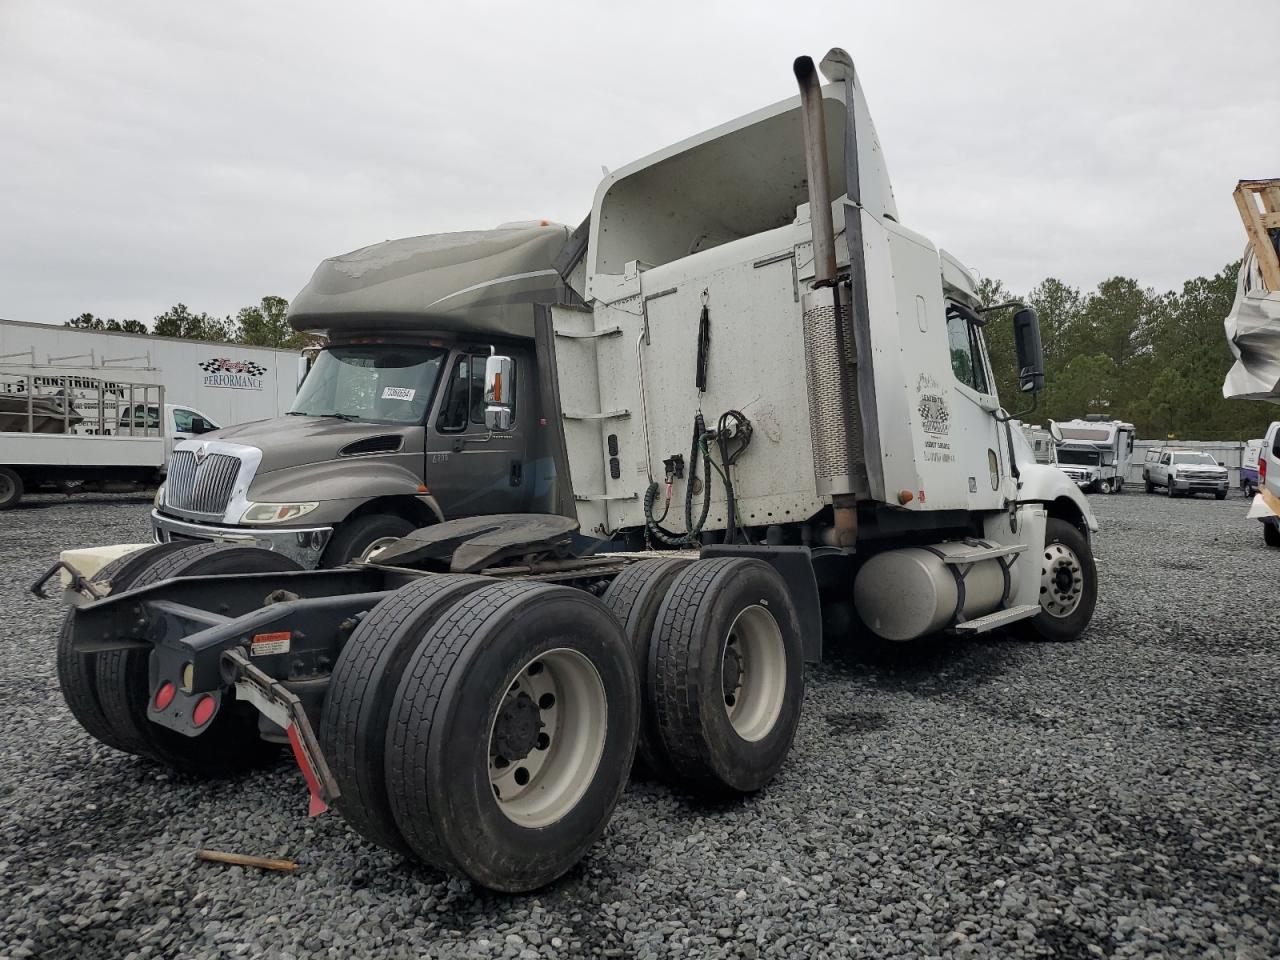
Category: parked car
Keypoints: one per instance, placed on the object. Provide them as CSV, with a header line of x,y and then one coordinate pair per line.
x,y
1249,468
1186,472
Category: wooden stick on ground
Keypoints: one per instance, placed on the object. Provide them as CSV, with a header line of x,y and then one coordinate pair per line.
x,y
244,860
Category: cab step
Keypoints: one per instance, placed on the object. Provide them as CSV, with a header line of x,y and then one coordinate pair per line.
x,y
1000,618
979,550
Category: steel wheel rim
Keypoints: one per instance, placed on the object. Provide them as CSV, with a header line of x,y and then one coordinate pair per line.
x,y
753,670
375,548
540,787
1061,581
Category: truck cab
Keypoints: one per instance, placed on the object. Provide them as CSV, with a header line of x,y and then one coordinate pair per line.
x,y
386,434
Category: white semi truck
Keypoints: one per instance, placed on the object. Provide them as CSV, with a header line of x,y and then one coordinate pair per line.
x,y
1095,452
90,409
765,399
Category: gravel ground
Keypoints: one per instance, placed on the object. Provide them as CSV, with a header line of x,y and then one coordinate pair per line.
x,y
1112,797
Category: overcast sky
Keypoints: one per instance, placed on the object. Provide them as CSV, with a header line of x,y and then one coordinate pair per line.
x,y
214,152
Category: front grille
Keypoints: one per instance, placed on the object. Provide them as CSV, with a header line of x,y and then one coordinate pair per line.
x,y
204,487
1201,475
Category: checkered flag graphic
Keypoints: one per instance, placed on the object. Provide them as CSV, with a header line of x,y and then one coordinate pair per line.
x,y
223,365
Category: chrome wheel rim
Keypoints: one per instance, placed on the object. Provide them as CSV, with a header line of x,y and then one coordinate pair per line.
x,y
376,548
753,671
1061,581
546,739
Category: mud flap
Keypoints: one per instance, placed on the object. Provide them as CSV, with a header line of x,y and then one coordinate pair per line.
x,y
275,702
795,566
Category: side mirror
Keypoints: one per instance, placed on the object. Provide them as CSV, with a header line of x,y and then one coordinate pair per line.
x,y
1221,464
499,397
1026,341
200,425
1055,431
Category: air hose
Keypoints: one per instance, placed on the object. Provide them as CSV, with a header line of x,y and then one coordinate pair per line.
x,y
692,530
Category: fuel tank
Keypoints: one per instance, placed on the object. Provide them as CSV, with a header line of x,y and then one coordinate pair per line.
x,y
913,591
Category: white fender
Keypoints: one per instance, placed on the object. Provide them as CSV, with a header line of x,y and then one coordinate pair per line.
x,y
1042,483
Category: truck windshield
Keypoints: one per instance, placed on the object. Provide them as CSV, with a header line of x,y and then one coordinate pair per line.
x,y
1197,458
380,382
1080,457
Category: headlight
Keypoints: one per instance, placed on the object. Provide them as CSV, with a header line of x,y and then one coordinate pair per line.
x,y
276,512
158,502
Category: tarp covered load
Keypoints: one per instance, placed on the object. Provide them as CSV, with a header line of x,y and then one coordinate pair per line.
x,y
1253,333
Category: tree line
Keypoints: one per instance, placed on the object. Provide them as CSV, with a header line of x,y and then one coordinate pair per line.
x,y
1130,353
1122,350
264,325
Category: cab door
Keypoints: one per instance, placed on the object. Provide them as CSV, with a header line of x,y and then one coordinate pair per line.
x,y
981,447
469,470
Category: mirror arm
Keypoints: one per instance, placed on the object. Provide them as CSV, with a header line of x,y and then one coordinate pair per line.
x,y
1003,416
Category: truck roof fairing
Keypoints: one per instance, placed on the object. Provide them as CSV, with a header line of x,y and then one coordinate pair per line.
x,y
477,281
740,178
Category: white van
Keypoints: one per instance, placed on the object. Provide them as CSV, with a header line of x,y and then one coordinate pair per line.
x,y
1266,505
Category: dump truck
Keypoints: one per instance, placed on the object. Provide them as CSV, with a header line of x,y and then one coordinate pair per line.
x,y
386,433
771,406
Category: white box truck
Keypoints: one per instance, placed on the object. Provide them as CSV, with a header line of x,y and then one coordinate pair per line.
x,y
89,409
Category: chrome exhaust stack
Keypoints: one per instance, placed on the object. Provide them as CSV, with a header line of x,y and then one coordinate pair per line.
x,y
815,152
834,420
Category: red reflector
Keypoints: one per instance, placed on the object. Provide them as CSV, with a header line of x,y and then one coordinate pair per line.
x,y
164,696
203,711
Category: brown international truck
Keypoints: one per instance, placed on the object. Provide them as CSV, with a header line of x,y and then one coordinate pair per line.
x,y
387,432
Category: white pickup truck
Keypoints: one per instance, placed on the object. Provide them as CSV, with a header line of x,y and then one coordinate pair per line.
x,y
1186,472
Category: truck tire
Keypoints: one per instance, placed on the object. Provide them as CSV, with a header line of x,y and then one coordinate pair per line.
x,y
1219,494
355,539
727,671
1151,487
231,742
1068,585
1106,486
1247,489
353,725
1271,534
77,672
543,673
11,488
635,596
1169,489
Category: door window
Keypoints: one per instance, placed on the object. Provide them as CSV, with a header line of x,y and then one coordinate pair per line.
x,y
463,402
182,419
965,345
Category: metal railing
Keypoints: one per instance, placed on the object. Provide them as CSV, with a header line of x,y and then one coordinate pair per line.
x,y
70,403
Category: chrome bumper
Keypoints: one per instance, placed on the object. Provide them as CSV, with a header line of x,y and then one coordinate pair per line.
x,y
303,544
1200,486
